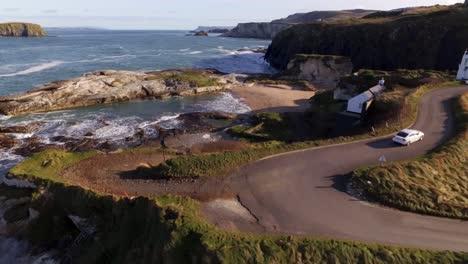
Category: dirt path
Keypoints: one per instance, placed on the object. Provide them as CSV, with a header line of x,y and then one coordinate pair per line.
x,y
117,174
263,98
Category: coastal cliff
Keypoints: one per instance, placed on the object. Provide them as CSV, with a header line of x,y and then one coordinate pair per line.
x,y
21,30
257,30
324,71
424,38
268,30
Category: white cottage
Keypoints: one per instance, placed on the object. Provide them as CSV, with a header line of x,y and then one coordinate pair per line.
x,y
462,74
361,103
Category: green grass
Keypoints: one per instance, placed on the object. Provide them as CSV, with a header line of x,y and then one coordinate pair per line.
x,y
193,78
436,184
171,229
209,165
219,164
48,164
265,127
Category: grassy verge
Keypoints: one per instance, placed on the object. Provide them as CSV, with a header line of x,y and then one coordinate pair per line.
x,y
194,78
209,165
435,185
171,230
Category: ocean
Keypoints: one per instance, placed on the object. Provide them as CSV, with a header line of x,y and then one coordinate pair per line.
x,y
26,63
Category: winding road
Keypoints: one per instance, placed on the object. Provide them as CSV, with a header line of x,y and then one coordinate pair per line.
x,y
303,192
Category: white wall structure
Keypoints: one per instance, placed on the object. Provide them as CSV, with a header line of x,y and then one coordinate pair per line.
x,y
462,74
360,103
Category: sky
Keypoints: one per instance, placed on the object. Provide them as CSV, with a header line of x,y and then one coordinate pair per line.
x,y
177,14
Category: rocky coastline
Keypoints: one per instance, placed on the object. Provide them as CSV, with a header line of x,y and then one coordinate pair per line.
x,y
106,87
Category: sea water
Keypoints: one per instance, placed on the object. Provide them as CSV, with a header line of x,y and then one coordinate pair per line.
x,y
26,63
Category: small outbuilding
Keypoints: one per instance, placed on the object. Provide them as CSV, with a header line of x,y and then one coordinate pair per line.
x,y
462,74
361,103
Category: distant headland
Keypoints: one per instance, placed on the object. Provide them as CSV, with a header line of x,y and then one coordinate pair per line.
x,y
18,29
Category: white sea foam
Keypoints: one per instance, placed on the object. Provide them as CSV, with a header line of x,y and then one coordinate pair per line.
x,y
21,135
195,52
183,50
107,58
226,102
4,117
167,118
8,160
36,68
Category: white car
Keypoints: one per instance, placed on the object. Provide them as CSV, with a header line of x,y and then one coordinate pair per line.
x,y
408,136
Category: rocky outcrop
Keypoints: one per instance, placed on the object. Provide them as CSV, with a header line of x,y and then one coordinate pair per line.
x,y
7,142
104,87
268,30
201,34
324,71
257,30
425,40
21,30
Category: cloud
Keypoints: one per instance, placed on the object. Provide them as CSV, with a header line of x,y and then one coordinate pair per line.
x,y
11,9
49,11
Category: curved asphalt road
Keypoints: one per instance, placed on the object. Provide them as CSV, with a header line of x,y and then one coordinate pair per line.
x,y
303,192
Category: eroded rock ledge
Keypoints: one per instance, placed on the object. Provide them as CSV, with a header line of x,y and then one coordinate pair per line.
x,y
105,87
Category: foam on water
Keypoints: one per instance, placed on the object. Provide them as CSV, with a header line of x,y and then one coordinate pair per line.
x,y
227,103
8,160
4,117
36,68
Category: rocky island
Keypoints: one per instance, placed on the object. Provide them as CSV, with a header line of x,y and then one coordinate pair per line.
x,y
21,30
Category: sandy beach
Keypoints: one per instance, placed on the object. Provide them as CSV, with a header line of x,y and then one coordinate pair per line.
x,y
263,98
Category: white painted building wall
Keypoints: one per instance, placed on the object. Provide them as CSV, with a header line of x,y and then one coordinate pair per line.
x,y
362,102
462,74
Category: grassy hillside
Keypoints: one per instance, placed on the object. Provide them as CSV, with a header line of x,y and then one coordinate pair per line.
x,y
315,16
428,38
21,30
436,184
171,230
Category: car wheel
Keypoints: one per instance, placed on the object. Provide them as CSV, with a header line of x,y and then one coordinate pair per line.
x,y
421,138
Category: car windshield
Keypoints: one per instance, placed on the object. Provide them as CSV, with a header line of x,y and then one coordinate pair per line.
x,y
402,134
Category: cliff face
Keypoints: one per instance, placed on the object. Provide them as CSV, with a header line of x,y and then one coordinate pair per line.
x,y
324,71
430,40
268,30
257,30
21,30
